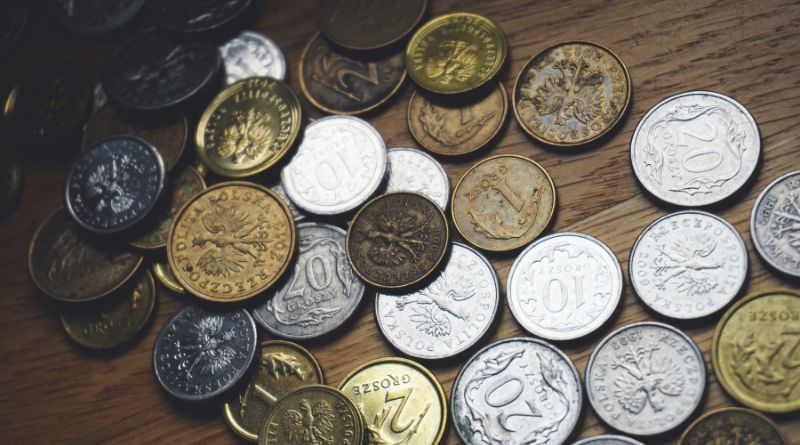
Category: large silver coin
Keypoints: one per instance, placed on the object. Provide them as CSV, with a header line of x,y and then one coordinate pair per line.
x,y
449,315
608,439
411,170
251,54
564,286
517,391
775,224
645,378
340,163
695,148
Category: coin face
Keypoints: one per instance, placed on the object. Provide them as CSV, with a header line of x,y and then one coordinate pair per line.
x,y
516,390
252,54
732,425
775,224
455,53
192,16
296,213
93,17
165,276
10,181
695,148
608,439
397,240
755,347
359,25
411,170
503,202
645,378
688,265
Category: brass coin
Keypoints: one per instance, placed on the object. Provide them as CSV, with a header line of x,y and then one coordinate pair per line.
x,y
231,242
455,53
571,94
248,127
167,279
397,240
754,350
503,202
360,25
732,426
10,181
283,368
338,84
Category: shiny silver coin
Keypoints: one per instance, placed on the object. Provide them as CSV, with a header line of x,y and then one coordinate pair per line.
x,y
517,391
339,164
695,148
564,286
95,17
411,170
449,315
321,293
775,224
251,54
688,265
296,213
608,439
645,378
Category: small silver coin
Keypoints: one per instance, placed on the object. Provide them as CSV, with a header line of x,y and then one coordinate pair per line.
x,y
608,439
645,378
517,391
564,286
296,213
251,54
411,170
695,148
449,315
688,264
775,224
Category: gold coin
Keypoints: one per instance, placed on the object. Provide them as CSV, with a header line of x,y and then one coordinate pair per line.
x,y
735,426
231,242
756,351
10,181
503,202
401,401
360,25
571,94
248,127
283,368
167,279
455,53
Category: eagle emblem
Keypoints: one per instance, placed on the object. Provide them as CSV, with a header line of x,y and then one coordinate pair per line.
x,y
646,379
310,424
235,240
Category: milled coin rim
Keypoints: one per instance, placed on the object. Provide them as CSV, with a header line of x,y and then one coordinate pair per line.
x,y
728,409
267,41
754,237
436,163
421,14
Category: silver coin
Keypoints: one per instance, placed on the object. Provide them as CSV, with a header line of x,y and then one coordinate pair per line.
x,y
775,224
695,148
517,391
645,378
251,54
296,213
449,315
564,286
688,265
608,439
339,164
411,170
321,293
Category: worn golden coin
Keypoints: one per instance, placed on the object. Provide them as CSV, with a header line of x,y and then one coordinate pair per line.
x,y
283,367
734,426
503,202
10,181
360,25
231,242
165,276
401,401
248,127
755,350
455,53
571,94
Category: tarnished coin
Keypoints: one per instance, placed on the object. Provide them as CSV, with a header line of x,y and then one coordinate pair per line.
x,y
193,16
397,240
166,277
571,94
645,378
731,425
775,224
411,170
339,164
321,293
695,148
10,181
517,391
201,353
754,350
67,266
360,25
95,17
455,53
296,213
401,401
13,19
503,202
688,264
608,439
448,316
283,367
231,242
252,54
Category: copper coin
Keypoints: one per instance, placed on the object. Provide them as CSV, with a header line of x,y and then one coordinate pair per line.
x,y
736,426
363,25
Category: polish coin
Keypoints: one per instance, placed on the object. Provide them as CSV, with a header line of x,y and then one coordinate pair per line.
x,y
360,25
734,426
193,16
166,277
608,439
296,213
252,54
775,224
411,170
95,17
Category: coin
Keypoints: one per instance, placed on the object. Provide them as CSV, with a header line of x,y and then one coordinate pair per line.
x,y
775,224
13,20
201,353
231,242
448,316
283,367
360,25
754,350
517,390
340,163
401,401
608,439
165,276
455,53
248,127
252,54
70,268
732,425
645,378
296,213
10,181
192,16
410,170
687,265
92,18
503,202
337,83
695,148
397,240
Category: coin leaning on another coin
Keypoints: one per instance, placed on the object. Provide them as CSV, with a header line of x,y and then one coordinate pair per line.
x,y
775,224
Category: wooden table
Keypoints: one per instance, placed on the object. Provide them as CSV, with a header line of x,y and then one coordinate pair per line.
x,y
52,391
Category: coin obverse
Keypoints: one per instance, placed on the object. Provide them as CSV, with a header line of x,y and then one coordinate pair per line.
x,y
775,224
411,170
252,54
608,439
732,425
